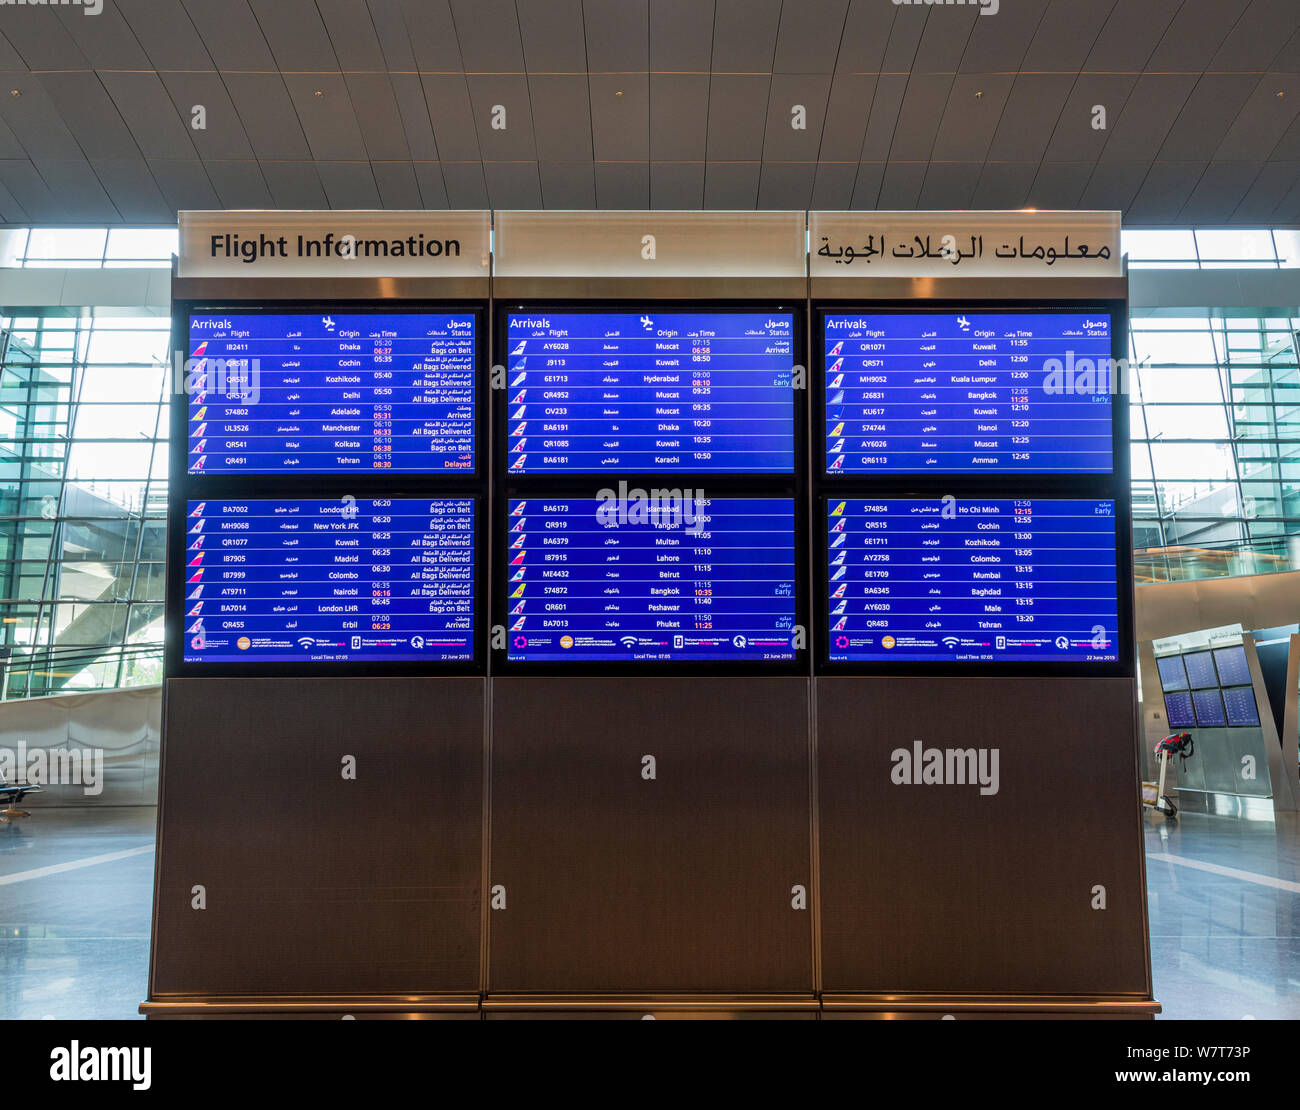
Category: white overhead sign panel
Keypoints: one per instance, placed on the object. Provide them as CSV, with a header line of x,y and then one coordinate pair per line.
x,y
333,244
649,244
965,244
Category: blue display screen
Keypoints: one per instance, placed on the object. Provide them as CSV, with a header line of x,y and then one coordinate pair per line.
x,y
388,392
1239,701
970,580
967,393
1173,676
343,580
645,392
1178,711
1200,670
1209,708
679,579
1233,669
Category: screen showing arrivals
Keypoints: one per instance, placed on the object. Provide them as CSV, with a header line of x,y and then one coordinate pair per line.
x,y
650,391
331,392
649,578
967,393
329,581
970,580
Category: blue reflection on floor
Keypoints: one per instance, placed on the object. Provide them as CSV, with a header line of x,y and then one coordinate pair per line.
x,y
75,944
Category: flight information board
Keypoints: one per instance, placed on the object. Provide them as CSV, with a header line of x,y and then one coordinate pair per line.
x,y
968,580
331,392
643,392
1239,703
1200,670
967,393
1233,668
690,580
1209,708
327,581
1173,675
1178,710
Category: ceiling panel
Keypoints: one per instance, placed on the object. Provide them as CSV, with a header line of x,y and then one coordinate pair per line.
x,y
1058,184
681,35
1258,36
447,98
488,96
296,35
867,184
131,187
867,28
1219,191
29,191
1264,119
568,184
325,113
348,184
1206,115
294,184
1148,113
622,185
433,189
414,111
1267,192
231,34
785,185
731,185
847,110
238,184
737,117
222,135
561,117
267,115
397,186
513,184
1075,139
998,43
944,37
432,33
35,121
166,33
465,185
1004,185
679,116
744,35
1113,184
676,185
94,121
918,121
1030,116
617,35
373,102
975,107
808,37
105,40
552,34
184,183
833,185
1194,36
488,32
620,117
1065,35
949,184
886,103
142,101
78,191
1130,36
352,34
1167,187
396,40
782,142
901,185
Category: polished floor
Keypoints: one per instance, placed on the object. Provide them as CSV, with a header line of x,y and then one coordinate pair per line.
x,y
75,890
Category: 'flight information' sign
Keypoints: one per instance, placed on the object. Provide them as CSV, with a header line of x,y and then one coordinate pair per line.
x,y
330,393
652,391
344,580
959,580
968,393
701,579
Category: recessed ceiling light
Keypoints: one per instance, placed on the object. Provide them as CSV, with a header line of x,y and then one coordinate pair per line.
x,y
979,95
319,93
15,92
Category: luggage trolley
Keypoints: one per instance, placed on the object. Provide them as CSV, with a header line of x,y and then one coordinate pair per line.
x,y
1175,744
